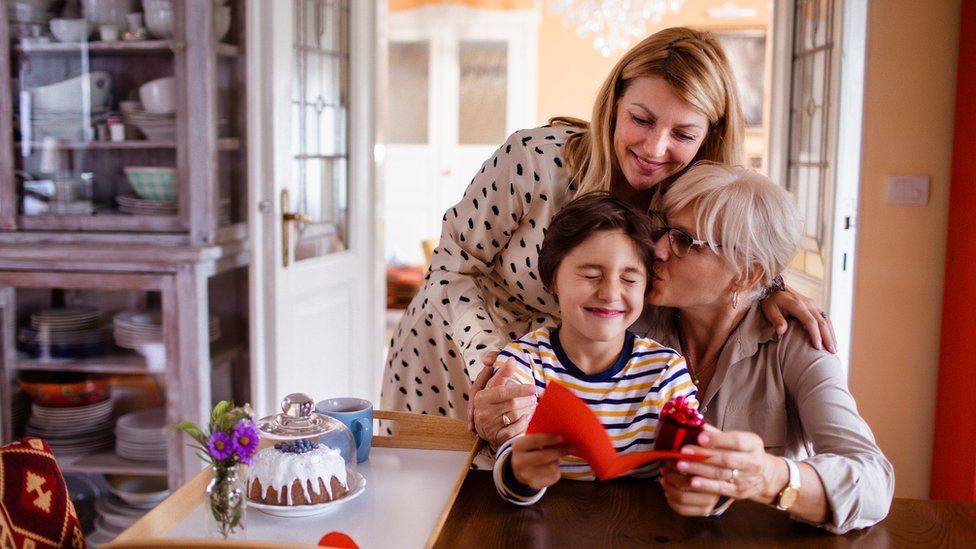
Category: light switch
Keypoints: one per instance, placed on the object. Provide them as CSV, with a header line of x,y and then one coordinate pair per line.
x,y
908,190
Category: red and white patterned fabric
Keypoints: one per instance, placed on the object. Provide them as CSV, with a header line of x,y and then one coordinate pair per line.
x,y
35,508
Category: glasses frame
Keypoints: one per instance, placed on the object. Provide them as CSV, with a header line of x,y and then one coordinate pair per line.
x,y
669,230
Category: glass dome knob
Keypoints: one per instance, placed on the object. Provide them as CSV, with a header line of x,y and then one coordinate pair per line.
x,y
297,406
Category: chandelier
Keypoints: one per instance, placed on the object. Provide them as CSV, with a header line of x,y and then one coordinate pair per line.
x,y
613,23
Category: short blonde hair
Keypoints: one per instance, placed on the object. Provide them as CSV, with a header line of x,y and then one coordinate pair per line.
x,y
755,220
695,66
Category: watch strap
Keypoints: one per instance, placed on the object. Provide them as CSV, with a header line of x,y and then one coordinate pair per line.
x,y
792,486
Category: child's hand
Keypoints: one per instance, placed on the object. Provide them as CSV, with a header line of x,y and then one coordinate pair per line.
x,y
535,459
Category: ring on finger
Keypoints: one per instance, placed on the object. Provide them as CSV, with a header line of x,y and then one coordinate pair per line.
x,y
505,420
734,476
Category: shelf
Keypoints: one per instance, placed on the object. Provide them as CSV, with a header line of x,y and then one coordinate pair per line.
x,y
228,50
134,47
103,221
228,143
107,145
120,362
105,461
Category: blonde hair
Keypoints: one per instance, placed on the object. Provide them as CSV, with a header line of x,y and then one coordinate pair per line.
x,y
755,220
696,67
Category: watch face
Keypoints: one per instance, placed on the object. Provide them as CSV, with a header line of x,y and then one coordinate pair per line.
x,y
788,497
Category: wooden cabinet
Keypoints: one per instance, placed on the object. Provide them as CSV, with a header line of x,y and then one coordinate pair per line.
x,y
73,223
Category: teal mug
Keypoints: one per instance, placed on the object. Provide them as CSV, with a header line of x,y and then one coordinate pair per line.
x,y
357,415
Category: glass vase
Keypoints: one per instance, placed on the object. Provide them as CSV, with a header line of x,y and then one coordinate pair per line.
x,y
225,503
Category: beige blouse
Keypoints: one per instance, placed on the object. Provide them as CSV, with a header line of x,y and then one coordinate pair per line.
x,y
796,398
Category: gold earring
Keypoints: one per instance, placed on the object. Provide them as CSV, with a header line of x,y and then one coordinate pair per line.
x,y
735,299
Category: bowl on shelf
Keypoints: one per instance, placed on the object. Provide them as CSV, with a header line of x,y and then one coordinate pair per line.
x,y
107,12
61,389
138,491
221,22
159,95
159,17
152,183
66,95
70,30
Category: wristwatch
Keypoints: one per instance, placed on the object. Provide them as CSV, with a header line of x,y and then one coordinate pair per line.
x,y
787,496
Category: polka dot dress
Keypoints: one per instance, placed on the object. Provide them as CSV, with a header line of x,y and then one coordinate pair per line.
x,y
483,288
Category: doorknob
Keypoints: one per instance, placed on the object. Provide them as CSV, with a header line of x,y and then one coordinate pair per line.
x,y
286,217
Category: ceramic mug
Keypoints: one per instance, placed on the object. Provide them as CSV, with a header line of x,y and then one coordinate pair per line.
x,y
357,415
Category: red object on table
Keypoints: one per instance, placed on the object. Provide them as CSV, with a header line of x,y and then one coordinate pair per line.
x,y
337,540
561,412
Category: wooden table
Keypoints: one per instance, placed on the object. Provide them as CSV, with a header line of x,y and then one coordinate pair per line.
x,y
634,513
429,498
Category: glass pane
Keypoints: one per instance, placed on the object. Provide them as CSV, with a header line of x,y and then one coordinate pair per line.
x,y
320,125
409,75
482,93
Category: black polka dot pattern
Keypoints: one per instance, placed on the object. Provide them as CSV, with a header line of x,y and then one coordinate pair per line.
x,y
482,289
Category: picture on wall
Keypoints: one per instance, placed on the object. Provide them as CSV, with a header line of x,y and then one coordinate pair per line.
x,y
746,51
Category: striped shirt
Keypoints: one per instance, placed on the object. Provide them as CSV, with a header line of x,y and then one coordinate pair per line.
x,y
626,398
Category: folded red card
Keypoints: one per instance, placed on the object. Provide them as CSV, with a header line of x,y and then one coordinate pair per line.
x,y
561,412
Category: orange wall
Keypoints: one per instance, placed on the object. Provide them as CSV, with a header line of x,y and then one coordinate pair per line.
x,y
571,70
908,125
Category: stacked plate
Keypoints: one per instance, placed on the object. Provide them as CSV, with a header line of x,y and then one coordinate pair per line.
x,y
65,333
140,206
139,435
114,516
69,125
155,126
135,329
65,319
73,429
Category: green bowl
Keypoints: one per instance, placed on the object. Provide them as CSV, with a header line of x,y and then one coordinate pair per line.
x,y
152,183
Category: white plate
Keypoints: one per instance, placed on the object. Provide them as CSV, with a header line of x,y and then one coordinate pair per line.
x,y
139,491
309,510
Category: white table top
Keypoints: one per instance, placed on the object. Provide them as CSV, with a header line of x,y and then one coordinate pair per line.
x,y
406,491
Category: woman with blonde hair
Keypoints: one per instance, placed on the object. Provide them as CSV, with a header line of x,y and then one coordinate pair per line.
x,y
670,101
783,427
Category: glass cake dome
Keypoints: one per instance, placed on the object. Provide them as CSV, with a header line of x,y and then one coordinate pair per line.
x,y
311,463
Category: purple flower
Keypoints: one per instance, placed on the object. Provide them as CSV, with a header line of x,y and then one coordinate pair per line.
x,y
220,446
245,440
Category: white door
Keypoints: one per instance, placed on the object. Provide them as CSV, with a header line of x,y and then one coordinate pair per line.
x,y
459,80
316,315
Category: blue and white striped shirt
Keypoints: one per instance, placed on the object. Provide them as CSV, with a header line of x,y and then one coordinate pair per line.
x,y
626,398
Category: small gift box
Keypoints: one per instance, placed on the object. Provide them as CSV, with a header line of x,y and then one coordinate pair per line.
x,y
679,424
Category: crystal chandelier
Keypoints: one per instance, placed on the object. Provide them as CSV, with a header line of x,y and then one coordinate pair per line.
x,y
614,23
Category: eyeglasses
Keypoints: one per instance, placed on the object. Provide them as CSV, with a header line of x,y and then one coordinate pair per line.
x,y
680,240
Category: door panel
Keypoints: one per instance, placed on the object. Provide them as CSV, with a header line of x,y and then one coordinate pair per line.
x,y
320,298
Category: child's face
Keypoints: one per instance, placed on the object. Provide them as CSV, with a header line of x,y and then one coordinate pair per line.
x,y
600,285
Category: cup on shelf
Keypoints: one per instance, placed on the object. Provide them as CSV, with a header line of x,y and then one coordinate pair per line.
x,y
134,21
109,33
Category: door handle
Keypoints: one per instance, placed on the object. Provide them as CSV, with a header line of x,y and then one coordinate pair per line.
x,y
286,218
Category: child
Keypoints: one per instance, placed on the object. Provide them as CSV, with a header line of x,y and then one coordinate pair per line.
x,y
597,261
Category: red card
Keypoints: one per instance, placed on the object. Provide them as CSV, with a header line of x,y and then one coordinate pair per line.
x,y
561,412
337,540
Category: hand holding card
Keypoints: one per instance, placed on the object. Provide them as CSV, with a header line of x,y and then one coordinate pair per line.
x,y
561,412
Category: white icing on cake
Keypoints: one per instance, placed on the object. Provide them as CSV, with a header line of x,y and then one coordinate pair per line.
x,y
278,469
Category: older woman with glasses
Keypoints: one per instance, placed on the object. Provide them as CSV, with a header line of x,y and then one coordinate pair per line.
x,y
783,427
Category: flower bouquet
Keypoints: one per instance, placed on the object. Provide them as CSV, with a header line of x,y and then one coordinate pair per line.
x,y
231,438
